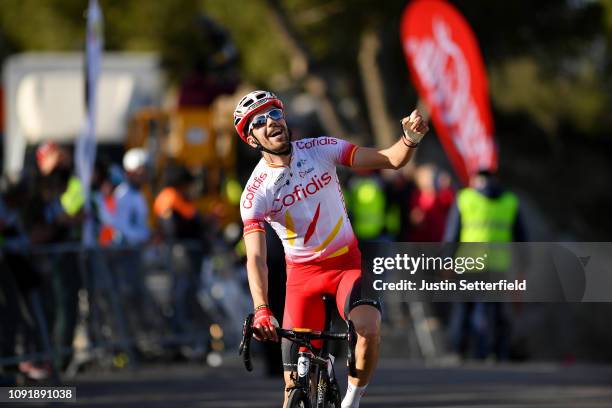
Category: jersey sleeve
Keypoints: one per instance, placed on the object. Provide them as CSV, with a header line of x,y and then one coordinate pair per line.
x,y
337,151
252,212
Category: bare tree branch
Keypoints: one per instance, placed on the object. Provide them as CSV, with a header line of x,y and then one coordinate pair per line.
x,y
385,133
302,69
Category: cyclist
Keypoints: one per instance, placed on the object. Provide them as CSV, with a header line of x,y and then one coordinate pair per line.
x,y
294,188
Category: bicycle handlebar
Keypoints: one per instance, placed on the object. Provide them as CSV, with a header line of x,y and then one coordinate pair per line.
x,y
291,334
303,338
245,344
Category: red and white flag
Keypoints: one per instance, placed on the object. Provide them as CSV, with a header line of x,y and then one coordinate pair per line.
x,y
447,69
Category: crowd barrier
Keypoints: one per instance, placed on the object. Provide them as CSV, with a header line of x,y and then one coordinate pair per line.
x,y
116,306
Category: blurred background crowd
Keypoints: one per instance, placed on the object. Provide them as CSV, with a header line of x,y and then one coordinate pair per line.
x,y
149,264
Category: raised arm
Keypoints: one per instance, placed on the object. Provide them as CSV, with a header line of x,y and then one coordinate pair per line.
x,y
398,154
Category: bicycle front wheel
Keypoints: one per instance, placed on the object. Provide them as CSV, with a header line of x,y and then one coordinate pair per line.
x,y
328,395
298,399
333,396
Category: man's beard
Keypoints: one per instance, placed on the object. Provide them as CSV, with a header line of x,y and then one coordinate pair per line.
x,y
283,151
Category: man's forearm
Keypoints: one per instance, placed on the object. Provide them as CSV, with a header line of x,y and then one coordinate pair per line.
x,y
258,281
399,154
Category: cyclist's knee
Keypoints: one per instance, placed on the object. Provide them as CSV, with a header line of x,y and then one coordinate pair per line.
x,y
367,322
369,332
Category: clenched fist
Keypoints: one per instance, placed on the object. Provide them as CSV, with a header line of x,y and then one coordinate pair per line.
x,y
414,127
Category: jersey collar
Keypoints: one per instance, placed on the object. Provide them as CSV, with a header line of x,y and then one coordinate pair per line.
x,y
278,166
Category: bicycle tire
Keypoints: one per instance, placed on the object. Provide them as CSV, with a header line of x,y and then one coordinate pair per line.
x,y
298,399
329,390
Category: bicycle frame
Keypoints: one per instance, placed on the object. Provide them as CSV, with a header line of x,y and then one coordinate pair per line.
x,y
311,372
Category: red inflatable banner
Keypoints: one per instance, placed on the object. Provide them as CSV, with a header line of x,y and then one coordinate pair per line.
x,y
449,74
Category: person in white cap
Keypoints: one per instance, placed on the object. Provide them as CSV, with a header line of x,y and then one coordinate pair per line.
x,y
131,224
132,215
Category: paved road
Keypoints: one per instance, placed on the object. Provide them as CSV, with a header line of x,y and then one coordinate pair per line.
x,y
397,384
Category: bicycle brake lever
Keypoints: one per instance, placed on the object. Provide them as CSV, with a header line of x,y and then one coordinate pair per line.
x,y
245,345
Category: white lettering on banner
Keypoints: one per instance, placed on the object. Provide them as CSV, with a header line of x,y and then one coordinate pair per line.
x,y
442,68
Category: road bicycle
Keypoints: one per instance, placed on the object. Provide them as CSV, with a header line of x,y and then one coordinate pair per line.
x,y
315,382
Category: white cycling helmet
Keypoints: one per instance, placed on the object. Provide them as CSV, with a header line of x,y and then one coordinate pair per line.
x,y
135,158
249,105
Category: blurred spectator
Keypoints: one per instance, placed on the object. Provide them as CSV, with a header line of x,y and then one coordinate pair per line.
x,y
104,206
61,197
368,206
131,229
132,213
429,206
484,212
105,323
13,239
177,215
55,215
182,227
446,192
399,186
20,282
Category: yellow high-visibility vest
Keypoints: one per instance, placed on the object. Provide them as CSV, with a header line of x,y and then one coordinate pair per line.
x,y
489,220
73,198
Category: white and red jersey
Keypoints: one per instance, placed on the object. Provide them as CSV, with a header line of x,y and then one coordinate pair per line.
x,y
303,201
